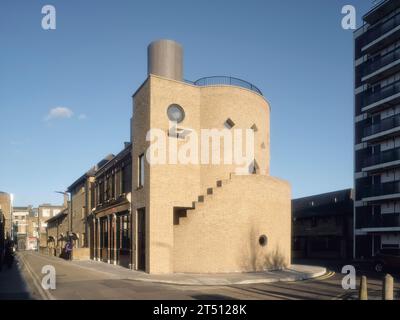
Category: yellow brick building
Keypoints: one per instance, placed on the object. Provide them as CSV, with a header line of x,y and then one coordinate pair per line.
x,y
203,217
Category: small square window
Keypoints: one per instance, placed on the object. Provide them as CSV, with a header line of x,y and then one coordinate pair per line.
x,y
254,128
229,123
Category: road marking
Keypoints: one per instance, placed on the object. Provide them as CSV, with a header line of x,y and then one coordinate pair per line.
x,y
325,276
45,294
328,275
55,260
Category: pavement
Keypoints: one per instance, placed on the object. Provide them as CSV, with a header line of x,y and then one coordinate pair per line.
x,y
294,273
89,280
19,289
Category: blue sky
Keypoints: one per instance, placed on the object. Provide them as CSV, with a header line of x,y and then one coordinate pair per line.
x,y
295,51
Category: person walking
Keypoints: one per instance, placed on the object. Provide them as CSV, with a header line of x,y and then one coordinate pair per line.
x,y
68,249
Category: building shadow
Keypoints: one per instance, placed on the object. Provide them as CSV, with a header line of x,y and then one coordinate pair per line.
x,y
12,284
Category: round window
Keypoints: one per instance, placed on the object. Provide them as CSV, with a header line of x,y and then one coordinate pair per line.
x,y
175,113
263,240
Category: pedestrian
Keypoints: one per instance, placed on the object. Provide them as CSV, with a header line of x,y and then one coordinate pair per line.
x,y
68,249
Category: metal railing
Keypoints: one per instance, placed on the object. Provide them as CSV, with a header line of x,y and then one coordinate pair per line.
x,y
381,61
381,189
386,220
383,125
382,157
379,30
382,93
225,80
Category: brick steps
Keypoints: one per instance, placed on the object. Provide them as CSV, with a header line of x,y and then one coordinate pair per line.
x,y
201,199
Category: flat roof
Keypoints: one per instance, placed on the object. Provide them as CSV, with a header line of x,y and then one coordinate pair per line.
x,y
323,201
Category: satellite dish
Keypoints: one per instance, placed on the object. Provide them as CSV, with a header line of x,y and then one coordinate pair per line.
x,y
129,197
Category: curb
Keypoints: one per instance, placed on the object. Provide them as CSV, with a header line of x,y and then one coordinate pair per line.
x,y
217,282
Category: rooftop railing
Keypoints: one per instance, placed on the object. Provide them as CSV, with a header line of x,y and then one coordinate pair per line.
x,y
224,80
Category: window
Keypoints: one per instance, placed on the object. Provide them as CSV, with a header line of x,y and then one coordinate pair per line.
x,y
121,181
175,113
46,213
254,128
141,171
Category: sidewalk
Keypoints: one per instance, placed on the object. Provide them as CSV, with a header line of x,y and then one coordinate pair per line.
x,y
12,284
294,273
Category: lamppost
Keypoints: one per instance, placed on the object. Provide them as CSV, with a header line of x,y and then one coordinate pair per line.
x,y
65,194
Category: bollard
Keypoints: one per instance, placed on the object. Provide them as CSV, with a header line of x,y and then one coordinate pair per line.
x,y
387,288
363,288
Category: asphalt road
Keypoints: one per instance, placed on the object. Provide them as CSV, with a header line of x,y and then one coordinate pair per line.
x,y
23,281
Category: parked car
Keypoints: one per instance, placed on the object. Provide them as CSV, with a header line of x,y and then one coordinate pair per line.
x,y
387,259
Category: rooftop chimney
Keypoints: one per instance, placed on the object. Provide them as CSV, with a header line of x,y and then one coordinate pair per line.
x,y
165,59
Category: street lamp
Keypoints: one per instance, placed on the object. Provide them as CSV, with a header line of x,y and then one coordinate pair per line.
x,y
65,194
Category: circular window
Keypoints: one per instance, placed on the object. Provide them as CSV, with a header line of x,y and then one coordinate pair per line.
x,y
263,240
175,113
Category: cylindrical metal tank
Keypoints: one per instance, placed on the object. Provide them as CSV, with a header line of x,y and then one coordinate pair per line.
x,y
165,59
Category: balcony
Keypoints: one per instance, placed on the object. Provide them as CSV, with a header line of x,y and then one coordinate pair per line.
x,y
376,33
381,189
375,69
226,81
384,97
389,220
382,157
382,129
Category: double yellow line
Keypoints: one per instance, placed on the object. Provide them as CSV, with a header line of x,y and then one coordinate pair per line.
x,y
325,276
45,294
